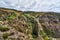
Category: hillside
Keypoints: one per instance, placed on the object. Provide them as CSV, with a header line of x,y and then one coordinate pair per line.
x,y
18,25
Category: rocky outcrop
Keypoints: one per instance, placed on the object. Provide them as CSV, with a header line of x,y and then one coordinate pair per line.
x,y
17,25
51,23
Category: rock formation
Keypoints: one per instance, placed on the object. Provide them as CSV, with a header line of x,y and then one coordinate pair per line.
x,y
18,25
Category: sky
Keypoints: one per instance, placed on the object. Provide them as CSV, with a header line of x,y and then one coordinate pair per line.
x,y
32,5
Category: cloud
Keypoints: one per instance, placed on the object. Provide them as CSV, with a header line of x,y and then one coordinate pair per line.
x,y
32,5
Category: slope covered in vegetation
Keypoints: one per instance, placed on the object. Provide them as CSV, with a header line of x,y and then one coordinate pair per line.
x,y
18,25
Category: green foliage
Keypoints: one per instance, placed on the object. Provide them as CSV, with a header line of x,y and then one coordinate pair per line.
x,y
33,36
0,14
4,28
47,31
44,35
12,16
5,35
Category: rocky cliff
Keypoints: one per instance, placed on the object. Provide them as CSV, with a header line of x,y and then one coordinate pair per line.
x,y
18,25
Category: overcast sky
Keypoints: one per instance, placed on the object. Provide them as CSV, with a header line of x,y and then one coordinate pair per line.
x,y
32,5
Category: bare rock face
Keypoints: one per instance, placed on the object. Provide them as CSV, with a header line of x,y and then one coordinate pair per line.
x,y
51,24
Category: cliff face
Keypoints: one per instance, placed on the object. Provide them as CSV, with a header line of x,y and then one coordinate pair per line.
x,y
18,25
